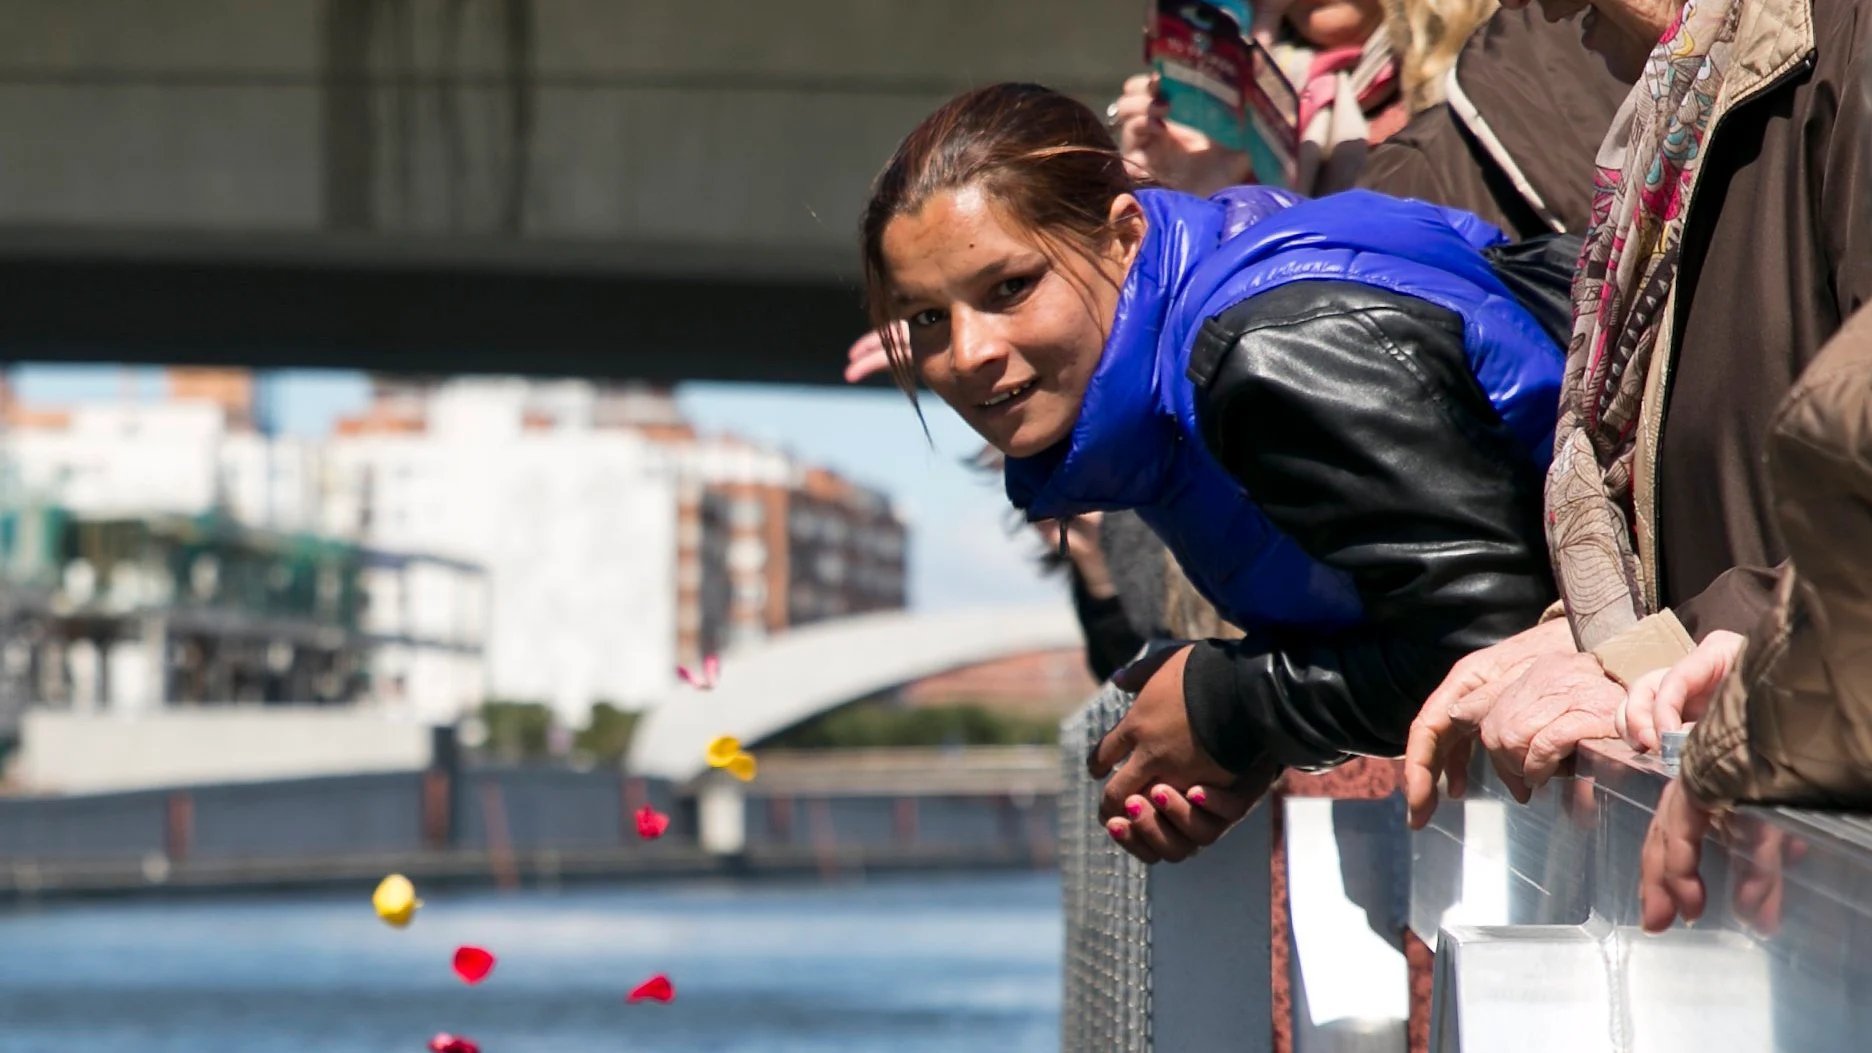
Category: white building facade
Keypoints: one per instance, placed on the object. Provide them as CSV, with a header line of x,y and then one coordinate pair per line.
x,y
576,527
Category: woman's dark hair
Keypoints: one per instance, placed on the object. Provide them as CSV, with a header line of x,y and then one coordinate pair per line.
x,y
1044,157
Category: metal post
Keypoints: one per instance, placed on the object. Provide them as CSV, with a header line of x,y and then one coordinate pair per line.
x,y
1211,973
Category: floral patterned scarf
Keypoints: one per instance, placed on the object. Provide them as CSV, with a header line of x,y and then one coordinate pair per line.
x,y
1641,189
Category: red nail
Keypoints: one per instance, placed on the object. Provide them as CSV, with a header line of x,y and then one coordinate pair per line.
x,y
1199,796
1160,798
1133,809
1118,830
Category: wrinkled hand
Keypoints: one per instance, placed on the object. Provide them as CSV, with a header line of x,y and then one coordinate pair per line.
x,y
1758,867
1445,729
1561,701
1153,744
1668,882
1175,155
1662,700
867,356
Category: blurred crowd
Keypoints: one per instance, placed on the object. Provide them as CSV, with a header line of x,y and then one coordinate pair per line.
x,y
1538,413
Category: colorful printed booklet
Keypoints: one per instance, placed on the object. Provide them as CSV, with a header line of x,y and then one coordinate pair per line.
x,y
1222,83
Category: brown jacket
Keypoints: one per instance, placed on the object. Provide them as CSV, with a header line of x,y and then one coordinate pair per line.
x,y
1527,107
1777,251
1793,725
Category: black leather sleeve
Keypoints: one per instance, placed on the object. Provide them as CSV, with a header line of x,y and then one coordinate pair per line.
x,y
1352,418
1110,641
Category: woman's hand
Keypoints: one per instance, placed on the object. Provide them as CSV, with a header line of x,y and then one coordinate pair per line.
x,y
1083,549
1662,700
1154,745
1175,155
1170,826
867,357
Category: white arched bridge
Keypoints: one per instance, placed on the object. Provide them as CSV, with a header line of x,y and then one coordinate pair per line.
x,y
768,688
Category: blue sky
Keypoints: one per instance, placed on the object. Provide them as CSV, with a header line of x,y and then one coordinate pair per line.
x,y
962,553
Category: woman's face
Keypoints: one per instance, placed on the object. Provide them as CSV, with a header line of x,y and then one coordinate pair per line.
x,y
1334,23
1004,333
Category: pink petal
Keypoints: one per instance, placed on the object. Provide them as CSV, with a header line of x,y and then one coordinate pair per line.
x,y
704,680
447,1043
473,964
656,989
651,823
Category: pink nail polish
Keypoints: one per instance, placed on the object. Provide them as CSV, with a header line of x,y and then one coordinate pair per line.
x,y
1160,798
1119,831
1198,797
1133,809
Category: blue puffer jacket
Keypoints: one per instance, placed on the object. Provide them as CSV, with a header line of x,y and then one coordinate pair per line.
x,y
1137,444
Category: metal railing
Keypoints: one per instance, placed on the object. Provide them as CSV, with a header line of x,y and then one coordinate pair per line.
x,y
1106,893
1158,958
1533,910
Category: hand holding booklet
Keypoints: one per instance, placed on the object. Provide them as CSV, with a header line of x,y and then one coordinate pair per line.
x,y
1221,82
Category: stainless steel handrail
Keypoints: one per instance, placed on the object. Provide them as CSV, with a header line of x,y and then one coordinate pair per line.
x,y
1534,911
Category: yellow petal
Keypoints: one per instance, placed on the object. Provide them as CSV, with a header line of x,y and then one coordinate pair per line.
x,y
723,750
743,766
395,900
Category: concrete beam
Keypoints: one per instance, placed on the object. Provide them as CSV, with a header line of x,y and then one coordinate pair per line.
x,y
224,158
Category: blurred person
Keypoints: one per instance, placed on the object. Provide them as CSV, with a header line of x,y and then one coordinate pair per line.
x,y
1783,715
1339,57
1374,372
1526,107
1733,234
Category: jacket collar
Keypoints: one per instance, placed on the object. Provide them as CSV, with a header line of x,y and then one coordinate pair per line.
x,y
1119,450
1772,38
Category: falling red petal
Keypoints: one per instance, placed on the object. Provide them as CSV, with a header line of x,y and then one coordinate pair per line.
x,y
473,964
656,989
651,823
447,1043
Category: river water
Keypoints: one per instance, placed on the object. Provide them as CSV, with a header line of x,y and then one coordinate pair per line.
x,y
966,963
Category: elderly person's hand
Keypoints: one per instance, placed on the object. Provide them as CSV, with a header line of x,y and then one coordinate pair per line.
x,y
1153,745
1561,701
1445,729
1668,882
1662,700
1175,155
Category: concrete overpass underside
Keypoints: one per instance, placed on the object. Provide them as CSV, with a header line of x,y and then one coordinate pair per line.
x,y
647,188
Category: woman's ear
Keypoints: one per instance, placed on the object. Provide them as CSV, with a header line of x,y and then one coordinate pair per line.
x,y
1127,224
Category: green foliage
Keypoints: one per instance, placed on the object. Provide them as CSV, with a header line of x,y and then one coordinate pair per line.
x,y
516,731
880,724
608,737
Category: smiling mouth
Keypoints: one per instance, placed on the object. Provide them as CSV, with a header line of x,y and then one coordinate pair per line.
x,y
1005,397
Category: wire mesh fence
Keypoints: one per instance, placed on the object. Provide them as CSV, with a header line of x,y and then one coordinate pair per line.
x,y
1107,1000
